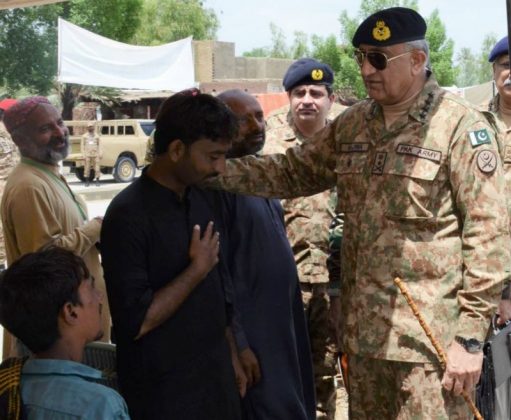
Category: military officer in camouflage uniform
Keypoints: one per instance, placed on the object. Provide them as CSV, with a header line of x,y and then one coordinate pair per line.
x,y
500,107
308,83
9,158
421,184
91,150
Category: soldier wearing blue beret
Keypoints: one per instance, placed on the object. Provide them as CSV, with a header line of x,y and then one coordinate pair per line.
x,y
501,103
307,71
308,83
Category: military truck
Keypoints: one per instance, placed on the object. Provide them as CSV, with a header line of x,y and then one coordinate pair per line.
x,y
123,147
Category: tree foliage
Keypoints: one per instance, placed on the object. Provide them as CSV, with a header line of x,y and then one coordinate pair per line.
x,y
170,20
441,50
473,69
115,19
28,53
28,37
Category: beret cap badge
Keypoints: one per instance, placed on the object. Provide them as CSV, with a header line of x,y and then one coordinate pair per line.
x,y
381,32
317,74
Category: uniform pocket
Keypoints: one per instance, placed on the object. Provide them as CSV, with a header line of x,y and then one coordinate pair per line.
x,y
415,184
350,190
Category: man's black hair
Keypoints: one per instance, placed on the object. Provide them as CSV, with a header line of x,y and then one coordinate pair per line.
x,y
34,289
190,116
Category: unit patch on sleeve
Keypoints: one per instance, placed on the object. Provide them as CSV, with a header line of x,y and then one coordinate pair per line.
x,y
479,137
487,161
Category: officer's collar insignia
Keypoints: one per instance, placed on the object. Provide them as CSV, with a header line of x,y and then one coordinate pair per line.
x,y
317,74
381,32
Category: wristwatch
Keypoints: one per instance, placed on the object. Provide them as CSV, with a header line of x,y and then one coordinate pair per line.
x,y
471,345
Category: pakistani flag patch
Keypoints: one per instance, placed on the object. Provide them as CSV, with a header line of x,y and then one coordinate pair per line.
x,y
479,137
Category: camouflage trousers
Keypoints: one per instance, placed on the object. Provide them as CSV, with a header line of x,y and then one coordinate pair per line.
x,y
383,389
316,304
92,161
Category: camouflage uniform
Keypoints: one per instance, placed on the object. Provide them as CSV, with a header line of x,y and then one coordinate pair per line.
x,y
504,137
91,151
307,220
423,200
9,158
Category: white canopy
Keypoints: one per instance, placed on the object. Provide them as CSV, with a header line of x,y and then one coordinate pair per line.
x,y
12,4
89,59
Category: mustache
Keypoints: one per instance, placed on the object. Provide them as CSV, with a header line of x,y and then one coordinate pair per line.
x,y
58,140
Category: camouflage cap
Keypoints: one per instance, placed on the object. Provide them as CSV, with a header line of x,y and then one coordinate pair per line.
x,y
307,71
389,27
17,114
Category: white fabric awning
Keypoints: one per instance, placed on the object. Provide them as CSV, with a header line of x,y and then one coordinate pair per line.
x,y
89,59
13,4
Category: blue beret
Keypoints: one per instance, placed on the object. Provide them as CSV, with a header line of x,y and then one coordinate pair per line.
x,y
389,27
307,71
499,49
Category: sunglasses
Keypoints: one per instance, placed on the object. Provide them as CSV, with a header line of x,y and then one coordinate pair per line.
x,y
377,59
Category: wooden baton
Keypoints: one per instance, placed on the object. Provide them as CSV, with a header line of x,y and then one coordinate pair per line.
x,y
440,351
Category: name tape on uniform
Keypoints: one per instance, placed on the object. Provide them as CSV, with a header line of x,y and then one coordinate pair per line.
x,y
354,147
420,152
479,137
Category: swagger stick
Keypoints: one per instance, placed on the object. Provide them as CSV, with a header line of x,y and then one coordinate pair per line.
x,y
441,354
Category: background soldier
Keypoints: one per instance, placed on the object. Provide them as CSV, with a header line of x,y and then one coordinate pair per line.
x,y
309,86
91,151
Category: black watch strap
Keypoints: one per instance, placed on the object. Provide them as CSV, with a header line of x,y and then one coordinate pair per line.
x,y
471,345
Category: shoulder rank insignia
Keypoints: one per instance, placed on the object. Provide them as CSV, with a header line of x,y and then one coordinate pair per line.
x,y
381,32
479,137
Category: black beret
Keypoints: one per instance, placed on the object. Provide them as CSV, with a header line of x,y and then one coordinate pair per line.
x,y
499,49
389,27
307,71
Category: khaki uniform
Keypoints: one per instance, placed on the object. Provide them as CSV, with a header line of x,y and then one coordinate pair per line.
x,y
9,157
149,151
91,151
38,209
307,220
424,200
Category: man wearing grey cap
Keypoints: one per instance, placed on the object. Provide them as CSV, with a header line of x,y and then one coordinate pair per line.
x,y
420,181
308,83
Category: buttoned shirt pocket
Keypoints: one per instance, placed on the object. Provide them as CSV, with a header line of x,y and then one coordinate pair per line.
x,y
414,184
350,169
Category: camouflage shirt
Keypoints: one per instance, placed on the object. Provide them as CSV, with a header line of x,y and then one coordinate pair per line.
x,y
9,155
504,140
423,200
307,218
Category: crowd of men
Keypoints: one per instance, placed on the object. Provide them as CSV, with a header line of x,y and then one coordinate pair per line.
x,y
221,303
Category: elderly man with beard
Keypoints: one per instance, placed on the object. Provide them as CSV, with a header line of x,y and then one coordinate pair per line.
x,y
272,336
38,208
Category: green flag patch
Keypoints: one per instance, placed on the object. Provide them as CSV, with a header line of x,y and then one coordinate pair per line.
x,y
479,137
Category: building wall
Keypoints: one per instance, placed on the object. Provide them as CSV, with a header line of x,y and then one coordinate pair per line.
x,y
215,61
